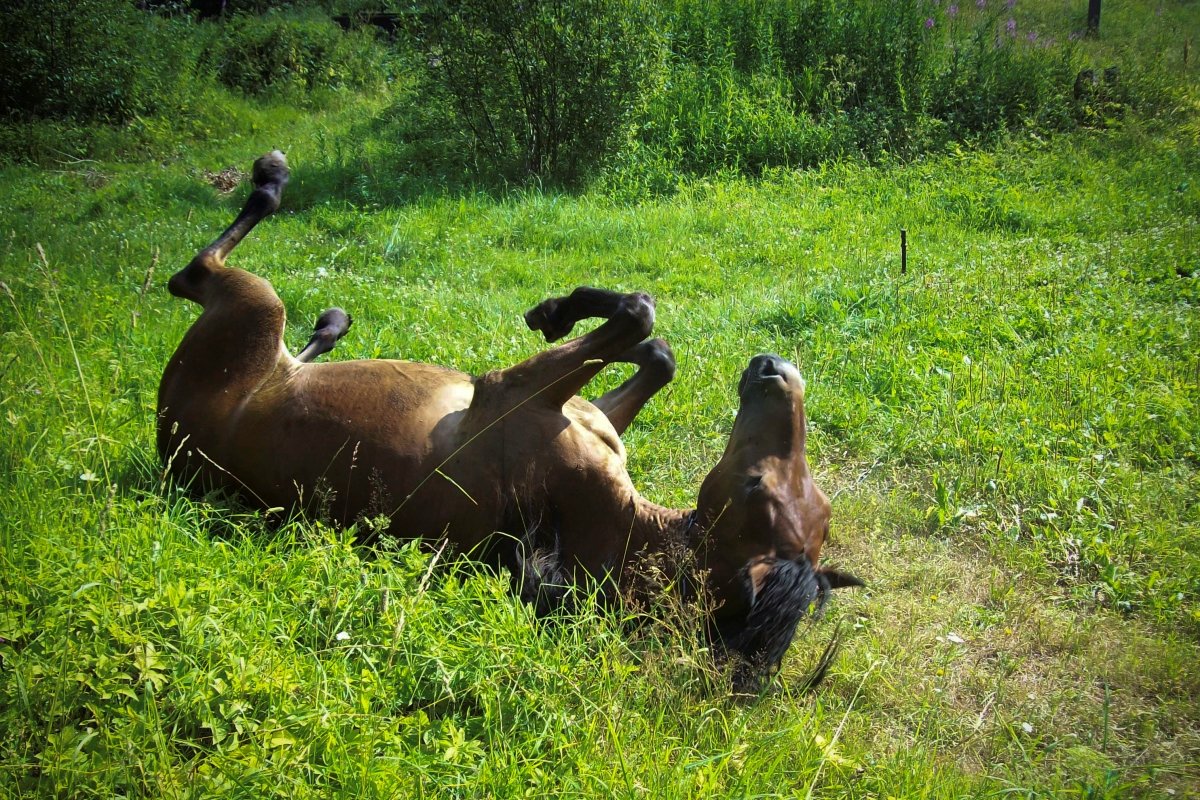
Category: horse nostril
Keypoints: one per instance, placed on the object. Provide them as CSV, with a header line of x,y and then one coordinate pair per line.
x,y
767,366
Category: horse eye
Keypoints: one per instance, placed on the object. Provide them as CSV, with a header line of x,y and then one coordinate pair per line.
x,y
753,483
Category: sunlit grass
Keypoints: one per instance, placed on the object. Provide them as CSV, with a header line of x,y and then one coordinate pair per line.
x,y
1009,432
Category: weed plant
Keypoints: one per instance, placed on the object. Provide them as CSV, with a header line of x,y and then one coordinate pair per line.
x,y
801,82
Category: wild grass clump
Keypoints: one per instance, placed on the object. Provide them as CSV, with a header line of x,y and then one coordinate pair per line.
x,y
799,82
796,83
862,61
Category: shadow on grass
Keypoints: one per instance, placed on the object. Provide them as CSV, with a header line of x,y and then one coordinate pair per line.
x,y
404,155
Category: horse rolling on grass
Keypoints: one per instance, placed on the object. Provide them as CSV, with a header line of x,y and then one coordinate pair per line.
x,y
512,467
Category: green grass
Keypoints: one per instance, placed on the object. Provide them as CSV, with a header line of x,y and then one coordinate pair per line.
x,y
1009,433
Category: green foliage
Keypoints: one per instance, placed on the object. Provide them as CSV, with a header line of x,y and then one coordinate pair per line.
x,y
294,54
622,90
101,77
542,88
1009,434
95,60
992,81
711,118
799,82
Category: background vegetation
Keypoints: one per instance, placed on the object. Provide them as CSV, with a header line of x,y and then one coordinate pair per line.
x,y
1009,431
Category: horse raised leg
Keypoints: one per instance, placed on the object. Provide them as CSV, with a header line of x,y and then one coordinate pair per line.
x,y
331,326
656,368
557,316
554,376
270,177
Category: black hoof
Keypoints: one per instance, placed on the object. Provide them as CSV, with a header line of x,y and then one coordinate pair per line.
x,y
545,317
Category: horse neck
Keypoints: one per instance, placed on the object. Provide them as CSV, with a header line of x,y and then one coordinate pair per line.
x,y
658,529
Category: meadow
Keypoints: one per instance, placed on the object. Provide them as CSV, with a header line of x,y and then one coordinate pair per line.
x,y
1008,430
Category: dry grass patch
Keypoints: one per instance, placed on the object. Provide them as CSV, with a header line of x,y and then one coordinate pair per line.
x,y
996,671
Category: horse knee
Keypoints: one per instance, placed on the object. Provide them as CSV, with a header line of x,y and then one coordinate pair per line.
x,y
637,310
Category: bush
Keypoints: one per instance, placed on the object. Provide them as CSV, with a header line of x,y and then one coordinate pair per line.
x,y
539,87
293,53
91,60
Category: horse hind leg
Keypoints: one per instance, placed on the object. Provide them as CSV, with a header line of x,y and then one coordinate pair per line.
x,y
331,326
557,316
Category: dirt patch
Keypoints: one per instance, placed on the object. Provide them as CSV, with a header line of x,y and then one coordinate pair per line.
x,y
226,180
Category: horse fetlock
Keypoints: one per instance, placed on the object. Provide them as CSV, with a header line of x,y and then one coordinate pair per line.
x,y
331,326
660,358
335,321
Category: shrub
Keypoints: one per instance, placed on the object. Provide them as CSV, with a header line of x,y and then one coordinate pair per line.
x,y
539,87
293,53
91,60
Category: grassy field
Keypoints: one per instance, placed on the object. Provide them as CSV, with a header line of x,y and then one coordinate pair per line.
x,y
1010,433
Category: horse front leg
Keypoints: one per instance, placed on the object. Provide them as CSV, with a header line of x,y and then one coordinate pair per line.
x,y
270,177
656,368
554,376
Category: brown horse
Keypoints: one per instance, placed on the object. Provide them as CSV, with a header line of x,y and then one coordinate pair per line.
x,y
512,466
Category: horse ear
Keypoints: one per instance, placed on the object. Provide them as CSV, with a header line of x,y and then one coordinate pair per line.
x,y
757,574
838,579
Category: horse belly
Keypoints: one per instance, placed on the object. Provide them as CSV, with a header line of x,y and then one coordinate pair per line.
x,y
352,439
